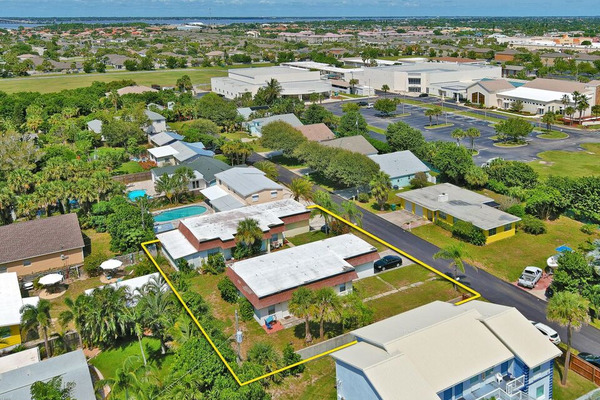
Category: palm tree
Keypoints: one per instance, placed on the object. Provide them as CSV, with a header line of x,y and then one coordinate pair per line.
x,y
385,89
125,377
353,82
456,254
102,182
75,313
165,184
264,354
570,310
582,105
181,181
20,180
430,112
458,134
472,133
272,90
113,97
328,306
156,309
352,213
7,199
37,318
302,306
565,100
248,233
324,200
301,189
570,111
380,188
86,193
549,118
106,315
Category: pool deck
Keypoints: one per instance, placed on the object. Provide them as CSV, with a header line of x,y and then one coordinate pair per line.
x,y
148,186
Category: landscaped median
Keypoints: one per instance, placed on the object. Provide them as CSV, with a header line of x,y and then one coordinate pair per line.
x,y
438,126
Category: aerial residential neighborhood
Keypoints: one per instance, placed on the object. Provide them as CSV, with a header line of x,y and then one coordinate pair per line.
x,y
318,206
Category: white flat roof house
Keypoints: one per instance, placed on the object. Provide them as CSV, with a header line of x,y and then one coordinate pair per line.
x,y
268,281
440,351
196,237
11,303
294,81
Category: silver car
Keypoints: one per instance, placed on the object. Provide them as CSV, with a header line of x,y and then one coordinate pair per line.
x,y
530,277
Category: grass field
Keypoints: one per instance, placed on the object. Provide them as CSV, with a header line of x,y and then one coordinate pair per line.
x,y
56,83
576,385
569,163
499,257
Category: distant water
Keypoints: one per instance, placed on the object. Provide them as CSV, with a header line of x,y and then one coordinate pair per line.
x,y
13,23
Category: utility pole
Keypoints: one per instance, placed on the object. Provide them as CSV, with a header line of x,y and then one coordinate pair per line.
x,y
238,338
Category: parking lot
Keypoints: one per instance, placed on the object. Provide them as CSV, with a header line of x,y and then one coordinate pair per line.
x,y
484,144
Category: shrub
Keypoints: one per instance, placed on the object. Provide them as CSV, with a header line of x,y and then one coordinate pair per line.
x,y
468,232
91,265
229,292
588,229
363,197
215,264
419,181
443,225
496,186
533,225
291,357
144,267
517,210
246,309
184,266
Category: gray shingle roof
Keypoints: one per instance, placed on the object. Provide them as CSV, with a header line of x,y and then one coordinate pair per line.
x,y
24,240
154,116
71,367
399,163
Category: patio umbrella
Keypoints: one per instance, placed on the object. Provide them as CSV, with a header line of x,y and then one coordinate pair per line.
x,y
50,279
111,264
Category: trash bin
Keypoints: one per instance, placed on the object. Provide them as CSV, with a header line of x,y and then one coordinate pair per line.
x,y
393,207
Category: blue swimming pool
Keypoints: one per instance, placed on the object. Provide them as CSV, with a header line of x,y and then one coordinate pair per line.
x,y
134,194
179,213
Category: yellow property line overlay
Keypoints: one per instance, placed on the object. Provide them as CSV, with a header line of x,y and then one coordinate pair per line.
x,y
237,379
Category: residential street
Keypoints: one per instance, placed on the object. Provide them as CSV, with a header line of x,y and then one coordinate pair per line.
x,y
484,144
490,287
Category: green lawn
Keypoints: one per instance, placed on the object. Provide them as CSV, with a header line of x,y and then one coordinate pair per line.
x,y
438,126
551,135
576,385
316,382
397,277
130,167
307,237
478,116
56,83
506,258
288,162
569,163
108,361
376,129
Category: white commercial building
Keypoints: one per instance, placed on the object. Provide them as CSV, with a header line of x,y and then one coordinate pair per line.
x,y
440,79
294,81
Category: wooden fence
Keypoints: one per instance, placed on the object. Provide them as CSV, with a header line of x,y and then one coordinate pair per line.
x,y
130,178
585,369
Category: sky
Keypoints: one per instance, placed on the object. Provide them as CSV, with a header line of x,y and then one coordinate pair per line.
x,y
291,8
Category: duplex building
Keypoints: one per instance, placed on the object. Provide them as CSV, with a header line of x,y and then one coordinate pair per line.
x,y
293,81
449,203
197,237
440,351
249,185
40,245
178,152
268,281
11,303
402,166
204,169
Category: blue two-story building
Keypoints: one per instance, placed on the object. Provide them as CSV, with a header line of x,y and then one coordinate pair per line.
x,y
476,351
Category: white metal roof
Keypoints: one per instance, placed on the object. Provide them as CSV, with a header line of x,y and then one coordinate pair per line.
x,y
247,181
213,192
286,269
10,299
176,244
19,359
163,151
133,284
531,94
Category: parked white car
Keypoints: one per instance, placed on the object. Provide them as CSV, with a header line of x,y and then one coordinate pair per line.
x,y
550,333
530,277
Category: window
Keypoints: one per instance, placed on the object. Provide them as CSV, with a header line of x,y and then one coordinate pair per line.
x,y
507,227
536,370
273,194
26,263
255,197
271,310
539,392
195,184
473,380
442,215
3,269
492,232
414,81
342,287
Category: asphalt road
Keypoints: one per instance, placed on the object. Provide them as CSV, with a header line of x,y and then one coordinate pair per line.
x,y
491,288
484,144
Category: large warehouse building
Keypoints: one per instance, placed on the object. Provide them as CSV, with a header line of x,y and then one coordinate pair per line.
x,y
440,79
293,81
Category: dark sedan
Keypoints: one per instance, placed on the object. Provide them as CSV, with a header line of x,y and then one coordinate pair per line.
x,y
387,262
591,358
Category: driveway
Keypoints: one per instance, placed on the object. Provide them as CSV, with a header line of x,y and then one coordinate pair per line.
x,y
403,218
484,144
491,288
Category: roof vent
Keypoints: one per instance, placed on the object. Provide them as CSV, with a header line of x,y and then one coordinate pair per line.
x,y
443,198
